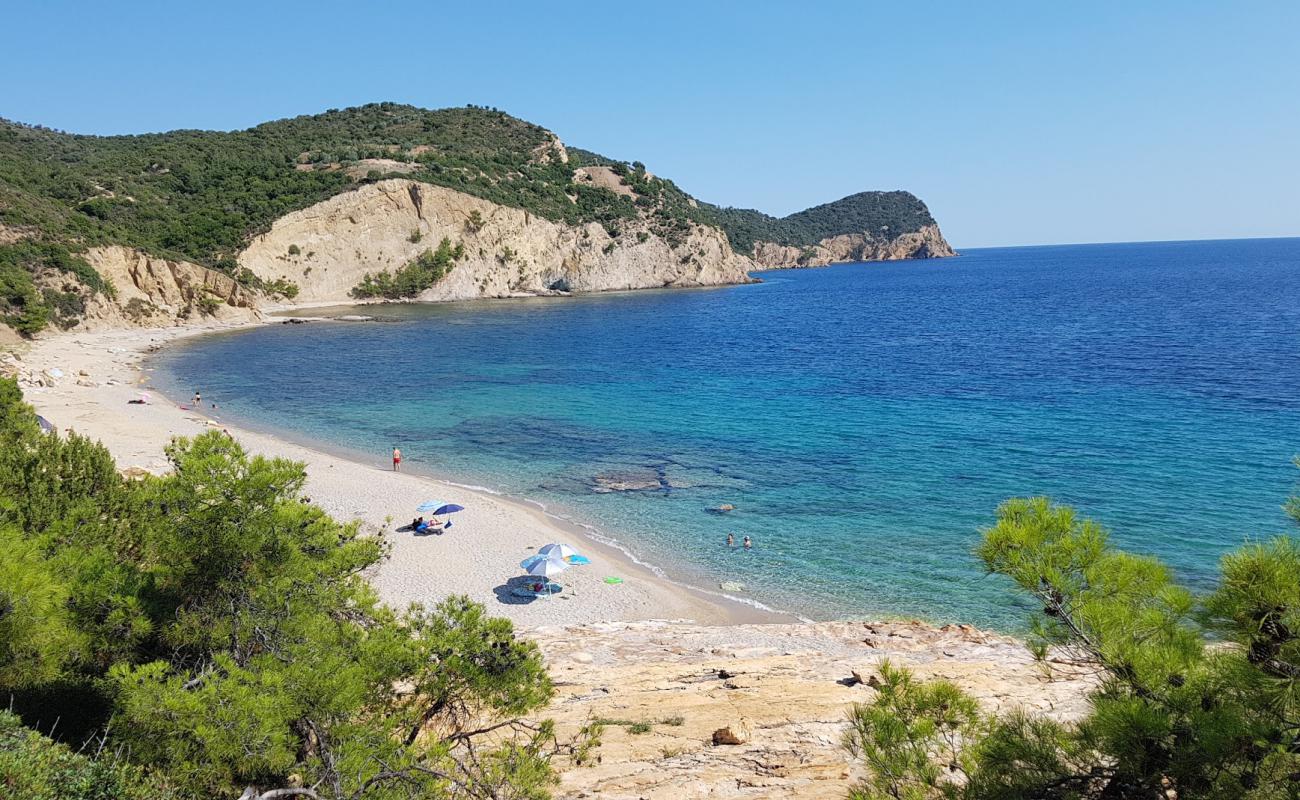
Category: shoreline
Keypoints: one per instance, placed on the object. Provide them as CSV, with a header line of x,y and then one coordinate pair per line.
x,y
746,610
102,370
678,659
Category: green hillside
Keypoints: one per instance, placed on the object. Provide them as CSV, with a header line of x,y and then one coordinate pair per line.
x,y
882,214
201,195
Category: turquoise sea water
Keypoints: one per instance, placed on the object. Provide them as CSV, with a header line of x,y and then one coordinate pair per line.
x,y
864,419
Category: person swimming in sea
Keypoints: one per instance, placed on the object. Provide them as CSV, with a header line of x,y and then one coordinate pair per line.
x,y
731,540
749,543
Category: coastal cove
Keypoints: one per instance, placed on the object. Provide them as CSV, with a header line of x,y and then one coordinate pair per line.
x,y
865,420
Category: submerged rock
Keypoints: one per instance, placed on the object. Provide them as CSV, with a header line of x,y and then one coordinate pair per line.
x,y
631,481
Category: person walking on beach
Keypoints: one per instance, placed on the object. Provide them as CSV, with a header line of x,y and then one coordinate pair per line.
x,y
198,400
397,460
749,543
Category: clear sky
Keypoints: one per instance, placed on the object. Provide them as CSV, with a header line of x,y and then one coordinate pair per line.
x,y
1018,123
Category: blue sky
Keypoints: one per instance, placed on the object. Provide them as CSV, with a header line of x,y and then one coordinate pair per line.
x,y
1018,123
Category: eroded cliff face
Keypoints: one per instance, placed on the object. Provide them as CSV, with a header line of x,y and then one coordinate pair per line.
x,y
156,292
928,242
327,249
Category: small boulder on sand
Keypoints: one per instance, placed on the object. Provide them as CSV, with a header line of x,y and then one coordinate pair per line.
x,y
866,676
735,733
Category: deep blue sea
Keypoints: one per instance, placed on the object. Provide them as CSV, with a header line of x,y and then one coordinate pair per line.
x,y
864,419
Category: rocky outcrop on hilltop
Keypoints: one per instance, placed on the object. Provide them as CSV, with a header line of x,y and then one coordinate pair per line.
x,y
327,249
928,242
758,711
152,292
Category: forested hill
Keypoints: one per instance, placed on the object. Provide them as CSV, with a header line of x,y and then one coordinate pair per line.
x,y
879,214
201,196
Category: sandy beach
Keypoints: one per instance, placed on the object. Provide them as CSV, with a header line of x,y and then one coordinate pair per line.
x,y
103,370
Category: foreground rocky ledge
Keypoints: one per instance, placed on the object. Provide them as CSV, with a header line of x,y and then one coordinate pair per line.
x,y
781,692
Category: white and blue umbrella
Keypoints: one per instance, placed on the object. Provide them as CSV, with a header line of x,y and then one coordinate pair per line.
x,y
543,566
563,552
448,508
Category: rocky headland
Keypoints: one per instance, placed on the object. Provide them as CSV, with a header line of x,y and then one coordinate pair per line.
x,y
928,242
160,229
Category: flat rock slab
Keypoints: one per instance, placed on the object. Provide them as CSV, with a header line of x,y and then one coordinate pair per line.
x,y
758,711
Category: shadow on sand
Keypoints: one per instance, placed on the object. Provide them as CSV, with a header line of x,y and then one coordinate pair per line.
x,y
506,592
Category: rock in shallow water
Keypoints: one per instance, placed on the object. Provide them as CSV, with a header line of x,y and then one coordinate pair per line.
x,y
630,481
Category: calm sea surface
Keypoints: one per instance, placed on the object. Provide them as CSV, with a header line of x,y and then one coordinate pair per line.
x,y
865,419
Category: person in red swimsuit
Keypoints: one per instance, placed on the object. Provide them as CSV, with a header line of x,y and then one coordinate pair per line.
x,y
397,459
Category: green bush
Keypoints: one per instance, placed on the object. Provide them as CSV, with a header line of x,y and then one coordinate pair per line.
x,y
28,309
419,274
33,767
208,304
280,287
22,307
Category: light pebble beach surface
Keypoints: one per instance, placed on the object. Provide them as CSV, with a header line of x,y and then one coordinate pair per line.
x,y
102,371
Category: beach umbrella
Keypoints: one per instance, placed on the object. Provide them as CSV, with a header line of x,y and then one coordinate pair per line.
x,y
543,566
429,505
563,552
46,425
449,508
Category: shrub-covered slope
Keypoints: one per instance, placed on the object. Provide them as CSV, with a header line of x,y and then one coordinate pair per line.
x,y
201,196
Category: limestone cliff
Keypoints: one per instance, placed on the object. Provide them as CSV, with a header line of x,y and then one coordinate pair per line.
x,y
928,242
328,248
156,292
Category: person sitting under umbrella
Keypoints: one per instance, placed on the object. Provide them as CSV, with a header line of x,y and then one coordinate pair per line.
x,y
429,526
449,508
